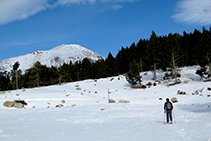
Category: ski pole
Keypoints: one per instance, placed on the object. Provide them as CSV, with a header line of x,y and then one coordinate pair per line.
x,y
164,118
174,117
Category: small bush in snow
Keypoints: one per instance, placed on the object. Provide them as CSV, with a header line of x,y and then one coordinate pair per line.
x,y
78,88
202,72
209,89
143,86
111,79
167,76
196,92
160,98
170,76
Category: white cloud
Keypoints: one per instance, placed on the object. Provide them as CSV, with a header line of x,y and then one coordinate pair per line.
x,y
67,2
194,12
13,10
117,7
119,0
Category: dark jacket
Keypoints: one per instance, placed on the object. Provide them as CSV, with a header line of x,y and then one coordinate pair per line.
x,y
165,106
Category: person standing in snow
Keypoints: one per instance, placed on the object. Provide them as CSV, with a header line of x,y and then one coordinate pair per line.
x,y
168,107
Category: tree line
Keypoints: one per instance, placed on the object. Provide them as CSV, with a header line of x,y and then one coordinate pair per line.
x,y
157,52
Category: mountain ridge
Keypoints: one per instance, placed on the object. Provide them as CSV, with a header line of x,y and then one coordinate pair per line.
x,y
53,57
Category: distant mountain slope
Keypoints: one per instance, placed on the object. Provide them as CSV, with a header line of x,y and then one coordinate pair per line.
x,y
54,57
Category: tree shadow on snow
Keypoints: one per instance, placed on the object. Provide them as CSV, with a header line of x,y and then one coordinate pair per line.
x,y
197,108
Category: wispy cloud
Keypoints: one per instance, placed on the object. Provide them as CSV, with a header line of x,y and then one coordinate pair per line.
x,y
117,7
13,10
67,2
194,12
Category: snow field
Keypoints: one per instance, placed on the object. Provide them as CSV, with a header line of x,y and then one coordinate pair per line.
x,y
87,115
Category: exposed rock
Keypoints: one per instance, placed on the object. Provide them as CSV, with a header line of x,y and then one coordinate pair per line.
x,y
111,101
59,106
174,100
63,101
15,103
124,101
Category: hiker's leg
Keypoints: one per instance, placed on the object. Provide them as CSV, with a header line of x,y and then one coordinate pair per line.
x,y
170,115
167,117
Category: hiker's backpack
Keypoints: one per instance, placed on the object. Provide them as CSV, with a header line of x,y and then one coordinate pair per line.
x,y
168,106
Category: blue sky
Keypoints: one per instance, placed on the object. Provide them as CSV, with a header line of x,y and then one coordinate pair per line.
x,y
102,26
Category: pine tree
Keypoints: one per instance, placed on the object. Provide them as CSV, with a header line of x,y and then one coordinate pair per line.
x,y
141,50
206,51
112,69
153,52
34,75
54,74
5,83
175,51
16,74
86,68
123,61
133,75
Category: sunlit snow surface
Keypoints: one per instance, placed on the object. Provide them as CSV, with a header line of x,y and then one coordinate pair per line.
x,y
87,115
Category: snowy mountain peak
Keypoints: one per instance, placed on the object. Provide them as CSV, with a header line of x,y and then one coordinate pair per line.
x,y
54,57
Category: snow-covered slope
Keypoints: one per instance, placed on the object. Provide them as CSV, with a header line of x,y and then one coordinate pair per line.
x,y
87,115
54,57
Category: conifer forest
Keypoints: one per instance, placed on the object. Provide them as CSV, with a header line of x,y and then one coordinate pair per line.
x,y
167,52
